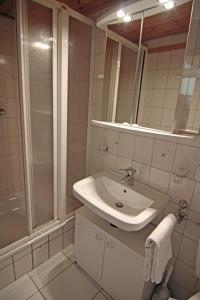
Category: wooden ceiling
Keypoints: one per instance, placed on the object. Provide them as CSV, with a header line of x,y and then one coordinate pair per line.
x,y
167,23
170,22
94,8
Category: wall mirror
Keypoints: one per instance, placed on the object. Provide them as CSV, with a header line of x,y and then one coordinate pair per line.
x,y
145,60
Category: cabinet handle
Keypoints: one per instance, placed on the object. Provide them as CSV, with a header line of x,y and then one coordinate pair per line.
x,y
110,245
99,237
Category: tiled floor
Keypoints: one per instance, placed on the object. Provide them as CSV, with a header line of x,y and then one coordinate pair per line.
x,y
59,278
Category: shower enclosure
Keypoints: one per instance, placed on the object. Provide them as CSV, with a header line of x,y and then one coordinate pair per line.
x,y
44,96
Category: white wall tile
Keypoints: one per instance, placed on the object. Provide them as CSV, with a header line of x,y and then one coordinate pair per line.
x,y
97,137
142,172
180,190
110,161
158,98
123,163
143,149
179,291
21,253
126,145
184,275
40,255
5,262
23,265
55,234
188,252
112,141
163,155
176,241
159,179
69,225
171,98
192,228
196,198
68,238
55,245
188,158
40,242
96,158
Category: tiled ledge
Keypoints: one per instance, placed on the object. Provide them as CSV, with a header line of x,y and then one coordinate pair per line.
x,y
188,139
34,253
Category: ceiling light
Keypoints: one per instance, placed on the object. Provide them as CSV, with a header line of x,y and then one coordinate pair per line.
x,y
41,45
120,13
127,19
169,4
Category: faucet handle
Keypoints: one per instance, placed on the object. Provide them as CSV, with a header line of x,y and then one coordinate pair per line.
x,y
129,170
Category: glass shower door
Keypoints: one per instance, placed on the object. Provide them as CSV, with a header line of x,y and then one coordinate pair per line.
x,y
40,62
13,215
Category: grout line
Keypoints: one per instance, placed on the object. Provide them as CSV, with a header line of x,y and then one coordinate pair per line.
x,y
57,275
93,297
33,282
14,268
88,277
35,294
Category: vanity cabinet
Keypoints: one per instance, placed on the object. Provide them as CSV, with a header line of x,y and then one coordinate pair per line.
x,y
114,258
89,244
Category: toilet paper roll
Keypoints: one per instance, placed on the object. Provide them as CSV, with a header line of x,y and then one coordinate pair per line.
x,y
198,261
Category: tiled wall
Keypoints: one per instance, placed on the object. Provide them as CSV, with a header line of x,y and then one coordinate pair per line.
x,y
156,160
34,254
78,100
12,202
161,84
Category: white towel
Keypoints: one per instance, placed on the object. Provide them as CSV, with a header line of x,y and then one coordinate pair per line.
x,y
158,249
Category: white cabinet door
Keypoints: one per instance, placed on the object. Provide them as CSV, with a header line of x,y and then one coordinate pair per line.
x,y
89,247
122,275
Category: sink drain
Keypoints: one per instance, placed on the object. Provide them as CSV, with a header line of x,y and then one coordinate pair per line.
x,y
119,204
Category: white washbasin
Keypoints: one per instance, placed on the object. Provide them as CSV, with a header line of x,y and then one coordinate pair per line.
x,y
105,192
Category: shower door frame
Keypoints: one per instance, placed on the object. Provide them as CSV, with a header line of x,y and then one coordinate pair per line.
x,y
61,13
25,94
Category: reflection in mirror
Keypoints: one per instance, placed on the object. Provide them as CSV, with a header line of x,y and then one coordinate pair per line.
x,y
189,98
120,80
165,37
127,85
142,84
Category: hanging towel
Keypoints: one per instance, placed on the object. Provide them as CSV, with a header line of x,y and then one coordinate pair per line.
x,y
158,249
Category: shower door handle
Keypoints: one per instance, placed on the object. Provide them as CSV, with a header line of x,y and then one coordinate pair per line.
x,y
2,112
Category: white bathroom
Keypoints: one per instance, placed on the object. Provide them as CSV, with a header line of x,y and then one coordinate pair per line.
x,y
100,152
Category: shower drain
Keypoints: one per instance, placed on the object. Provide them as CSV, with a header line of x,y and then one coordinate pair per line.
x,y
119,204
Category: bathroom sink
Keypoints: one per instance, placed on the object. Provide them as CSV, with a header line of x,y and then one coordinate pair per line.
x,y
129,208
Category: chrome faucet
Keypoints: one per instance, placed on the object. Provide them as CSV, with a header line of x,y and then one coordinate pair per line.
x,y
129,177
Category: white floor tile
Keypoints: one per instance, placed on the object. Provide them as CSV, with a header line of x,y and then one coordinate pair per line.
x,y
21,289
71,284
69,252
88,277
100,296
50,269
37,296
